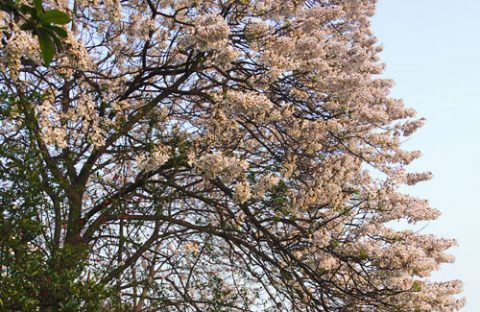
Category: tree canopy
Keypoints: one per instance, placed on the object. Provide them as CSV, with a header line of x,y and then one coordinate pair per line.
x,y
207,155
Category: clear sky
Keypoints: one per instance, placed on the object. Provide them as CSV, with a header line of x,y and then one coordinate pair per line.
x,y
432,51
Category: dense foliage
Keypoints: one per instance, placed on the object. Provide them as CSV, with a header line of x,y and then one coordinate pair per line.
x,y
206,155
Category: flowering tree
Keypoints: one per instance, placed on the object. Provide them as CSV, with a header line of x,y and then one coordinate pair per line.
x,y
228,155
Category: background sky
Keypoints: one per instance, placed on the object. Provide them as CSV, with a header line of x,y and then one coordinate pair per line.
x,y
432,51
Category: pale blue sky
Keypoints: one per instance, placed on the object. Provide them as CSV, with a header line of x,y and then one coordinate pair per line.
x,y
432,51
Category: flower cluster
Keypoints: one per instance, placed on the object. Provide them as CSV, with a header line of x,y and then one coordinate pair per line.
x,y
154,159
211,32
218,165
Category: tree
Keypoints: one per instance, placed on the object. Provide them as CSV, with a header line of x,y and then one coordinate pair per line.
x,y
208,155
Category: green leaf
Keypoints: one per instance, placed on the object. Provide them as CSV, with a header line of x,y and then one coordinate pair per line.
x,y
38,6
55,16
46,47
363,255
57,42
28,10
416,287
28,26
8,6
54,33
59,31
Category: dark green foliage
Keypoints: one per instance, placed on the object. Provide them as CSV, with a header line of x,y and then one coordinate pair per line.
x,y
34,274
41,23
